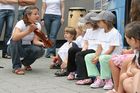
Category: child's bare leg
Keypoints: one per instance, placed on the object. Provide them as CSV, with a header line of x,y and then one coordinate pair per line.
x,y
115,74
136,83
127,85
64,65
59,60
122,78
124,66
123,70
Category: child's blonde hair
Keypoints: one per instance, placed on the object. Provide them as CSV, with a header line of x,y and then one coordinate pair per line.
x,y
81,26
72,31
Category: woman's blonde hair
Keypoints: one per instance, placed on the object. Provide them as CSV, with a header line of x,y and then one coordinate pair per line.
x,y
28,11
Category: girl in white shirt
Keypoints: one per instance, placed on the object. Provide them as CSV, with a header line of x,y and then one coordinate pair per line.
x,y
110,43
70,36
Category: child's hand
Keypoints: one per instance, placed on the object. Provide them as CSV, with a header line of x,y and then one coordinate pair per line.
x,y
95,60
127,51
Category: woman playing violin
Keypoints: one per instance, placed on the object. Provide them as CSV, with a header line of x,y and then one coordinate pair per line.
x,y
24,43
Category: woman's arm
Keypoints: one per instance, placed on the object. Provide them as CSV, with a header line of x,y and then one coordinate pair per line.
x,y
44,6
62,7
9,1
18,34
27,2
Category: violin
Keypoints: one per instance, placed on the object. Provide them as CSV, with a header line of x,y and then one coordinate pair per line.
x,y
47,42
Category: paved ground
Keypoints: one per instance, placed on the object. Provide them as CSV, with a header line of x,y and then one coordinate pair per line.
x,y
40,80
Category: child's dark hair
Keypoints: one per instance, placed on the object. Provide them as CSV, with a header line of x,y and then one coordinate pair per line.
x,y
132,30
135,10
28,11
72,31
109,24
93,24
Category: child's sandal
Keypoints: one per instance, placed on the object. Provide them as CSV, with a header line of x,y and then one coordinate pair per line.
x,y
19,72
28,68
84,82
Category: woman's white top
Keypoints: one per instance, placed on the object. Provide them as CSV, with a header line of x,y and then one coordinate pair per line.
x,y
53,7
111,38
21,7
7,6
28,38
92,36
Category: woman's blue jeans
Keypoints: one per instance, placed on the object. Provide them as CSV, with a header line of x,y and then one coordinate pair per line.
x,y
52,26
6,17
29,53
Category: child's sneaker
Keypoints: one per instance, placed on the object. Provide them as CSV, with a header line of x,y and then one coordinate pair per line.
x,y
108,84
97,83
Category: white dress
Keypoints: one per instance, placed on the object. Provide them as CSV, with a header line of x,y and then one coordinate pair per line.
x,y
63,51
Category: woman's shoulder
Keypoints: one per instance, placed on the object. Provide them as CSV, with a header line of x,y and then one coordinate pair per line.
x,y
20,23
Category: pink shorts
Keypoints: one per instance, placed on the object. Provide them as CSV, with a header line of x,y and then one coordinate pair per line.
x,y
119,59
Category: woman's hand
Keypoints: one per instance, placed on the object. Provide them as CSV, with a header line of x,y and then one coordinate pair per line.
x,y
42,22
32,27
62,20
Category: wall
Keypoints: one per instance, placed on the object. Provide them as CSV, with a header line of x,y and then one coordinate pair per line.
x,y
88,4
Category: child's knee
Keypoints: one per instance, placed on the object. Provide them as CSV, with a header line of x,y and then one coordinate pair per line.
x,y
123,76
127,84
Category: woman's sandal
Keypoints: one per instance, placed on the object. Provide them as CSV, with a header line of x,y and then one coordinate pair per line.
x,y
28,68
84,82
19,71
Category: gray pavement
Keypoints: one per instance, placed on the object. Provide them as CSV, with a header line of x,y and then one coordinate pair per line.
x,y
40,80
